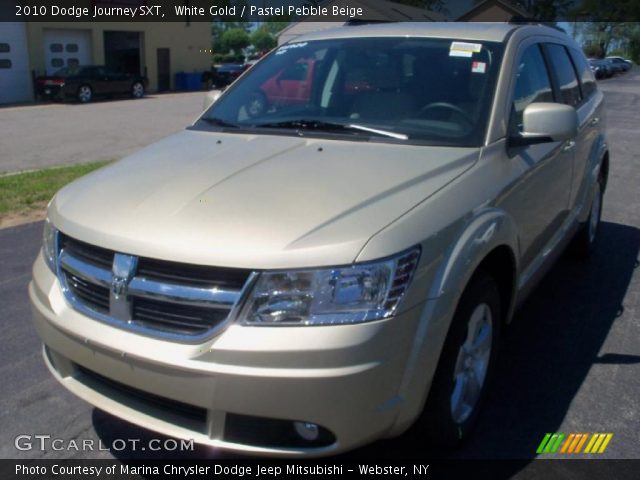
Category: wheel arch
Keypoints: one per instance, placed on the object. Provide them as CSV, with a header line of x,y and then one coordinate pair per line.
x,y
488,242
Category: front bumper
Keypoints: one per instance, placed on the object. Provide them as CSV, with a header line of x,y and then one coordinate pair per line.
x,y
346,379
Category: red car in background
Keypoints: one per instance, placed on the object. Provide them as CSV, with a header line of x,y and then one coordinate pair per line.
x,y
292,86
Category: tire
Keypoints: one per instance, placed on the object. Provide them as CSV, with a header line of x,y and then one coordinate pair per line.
x,y
257,104
85,94
466,365
585,239
137,90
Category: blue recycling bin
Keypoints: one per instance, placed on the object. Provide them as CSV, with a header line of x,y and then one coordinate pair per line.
x,y
181,81
193,81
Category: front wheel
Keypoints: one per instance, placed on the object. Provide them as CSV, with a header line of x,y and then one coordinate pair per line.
x,y
137,90
466,364
585,240
257,104
85,94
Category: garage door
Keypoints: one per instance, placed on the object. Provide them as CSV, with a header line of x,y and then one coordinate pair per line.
x,y
65,48
15,77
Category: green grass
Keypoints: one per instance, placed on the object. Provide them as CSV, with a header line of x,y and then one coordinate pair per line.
x,y
25,192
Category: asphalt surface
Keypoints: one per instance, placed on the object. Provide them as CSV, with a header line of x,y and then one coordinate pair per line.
x,y
52,134
569,363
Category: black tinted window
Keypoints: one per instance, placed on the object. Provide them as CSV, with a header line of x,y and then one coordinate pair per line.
x,y
587,80
566,75
428,90
532,82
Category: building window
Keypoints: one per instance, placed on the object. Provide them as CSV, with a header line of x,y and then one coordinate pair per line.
x,y
5,63
5,48
57,62
72,47
73,62
55,47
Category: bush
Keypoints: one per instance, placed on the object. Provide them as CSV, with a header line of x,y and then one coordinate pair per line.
x,y
593,51
218,58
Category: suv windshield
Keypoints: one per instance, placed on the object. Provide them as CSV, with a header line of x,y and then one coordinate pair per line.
x,y
424,90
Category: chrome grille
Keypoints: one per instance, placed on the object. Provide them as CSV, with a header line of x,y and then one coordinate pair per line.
x,y
155,297
95,296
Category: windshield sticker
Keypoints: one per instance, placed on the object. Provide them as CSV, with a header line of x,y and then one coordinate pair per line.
x,y
289,46
478,67
463,49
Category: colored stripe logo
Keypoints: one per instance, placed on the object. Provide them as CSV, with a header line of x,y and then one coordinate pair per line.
x,y
574,443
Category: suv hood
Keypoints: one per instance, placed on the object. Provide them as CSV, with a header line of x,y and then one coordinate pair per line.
x,y
253,201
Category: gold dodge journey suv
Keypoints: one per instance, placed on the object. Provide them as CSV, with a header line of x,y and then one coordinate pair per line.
x,y
329,253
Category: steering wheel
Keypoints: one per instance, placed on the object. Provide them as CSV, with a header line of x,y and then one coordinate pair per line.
x,y
447,106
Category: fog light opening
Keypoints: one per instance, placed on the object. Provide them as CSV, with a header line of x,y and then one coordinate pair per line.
x,y
308,431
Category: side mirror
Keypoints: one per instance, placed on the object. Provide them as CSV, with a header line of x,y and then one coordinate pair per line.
x,y
547,122
210,98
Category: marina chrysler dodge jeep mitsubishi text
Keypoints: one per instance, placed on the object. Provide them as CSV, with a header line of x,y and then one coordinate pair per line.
x,y
301,274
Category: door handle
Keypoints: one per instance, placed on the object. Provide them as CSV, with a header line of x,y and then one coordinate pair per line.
x,y
595,121
569,146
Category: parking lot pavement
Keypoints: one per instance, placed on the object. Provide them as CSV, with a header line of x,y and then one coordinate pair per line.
x,y
37,136
569,363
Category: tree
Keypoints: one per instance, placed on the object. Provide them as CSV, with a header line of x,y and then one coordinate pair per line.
x,y
634,45
601,36
218,29
235,39
262,39
432,5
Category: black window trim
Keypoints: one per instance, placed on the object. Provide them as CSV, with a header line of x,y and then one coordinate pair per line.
x,y
554,75
585,97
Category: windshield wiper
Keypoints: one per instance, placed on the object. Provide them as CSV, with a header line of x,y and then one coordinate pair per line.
x,y
219,122
309,124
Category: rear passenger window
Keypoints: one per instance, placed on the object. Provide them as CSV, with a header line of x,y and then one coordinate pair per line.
x,y
532,82
587,80
566,75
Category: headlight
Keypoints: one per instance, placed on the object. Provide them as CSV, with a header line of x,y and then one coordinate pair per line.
x,y
50,245
351,294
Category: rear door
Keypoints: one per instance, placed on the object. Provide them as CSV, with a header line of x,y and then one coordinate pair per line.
x,y
118,82
591,121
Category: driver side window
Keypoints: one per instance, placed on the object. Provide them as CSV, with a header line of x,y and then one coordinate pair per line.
x,y
532,84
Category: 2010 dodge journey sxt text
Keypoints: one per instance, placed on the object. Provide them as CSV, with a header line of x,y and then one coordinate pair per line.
x,y
327,256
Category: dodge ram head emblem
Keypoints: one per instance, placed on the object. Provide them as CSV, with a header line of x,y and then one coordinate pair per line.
x,y
124,267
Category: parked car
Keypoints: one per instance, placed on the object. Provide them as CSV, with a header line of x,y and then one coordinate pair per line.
x,y
225,74
302,280
600,68
84,83
615,67
623,65
293,85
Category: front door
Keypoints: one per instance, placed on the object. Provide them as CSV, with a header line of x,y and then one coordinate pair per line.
x,y
539,203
